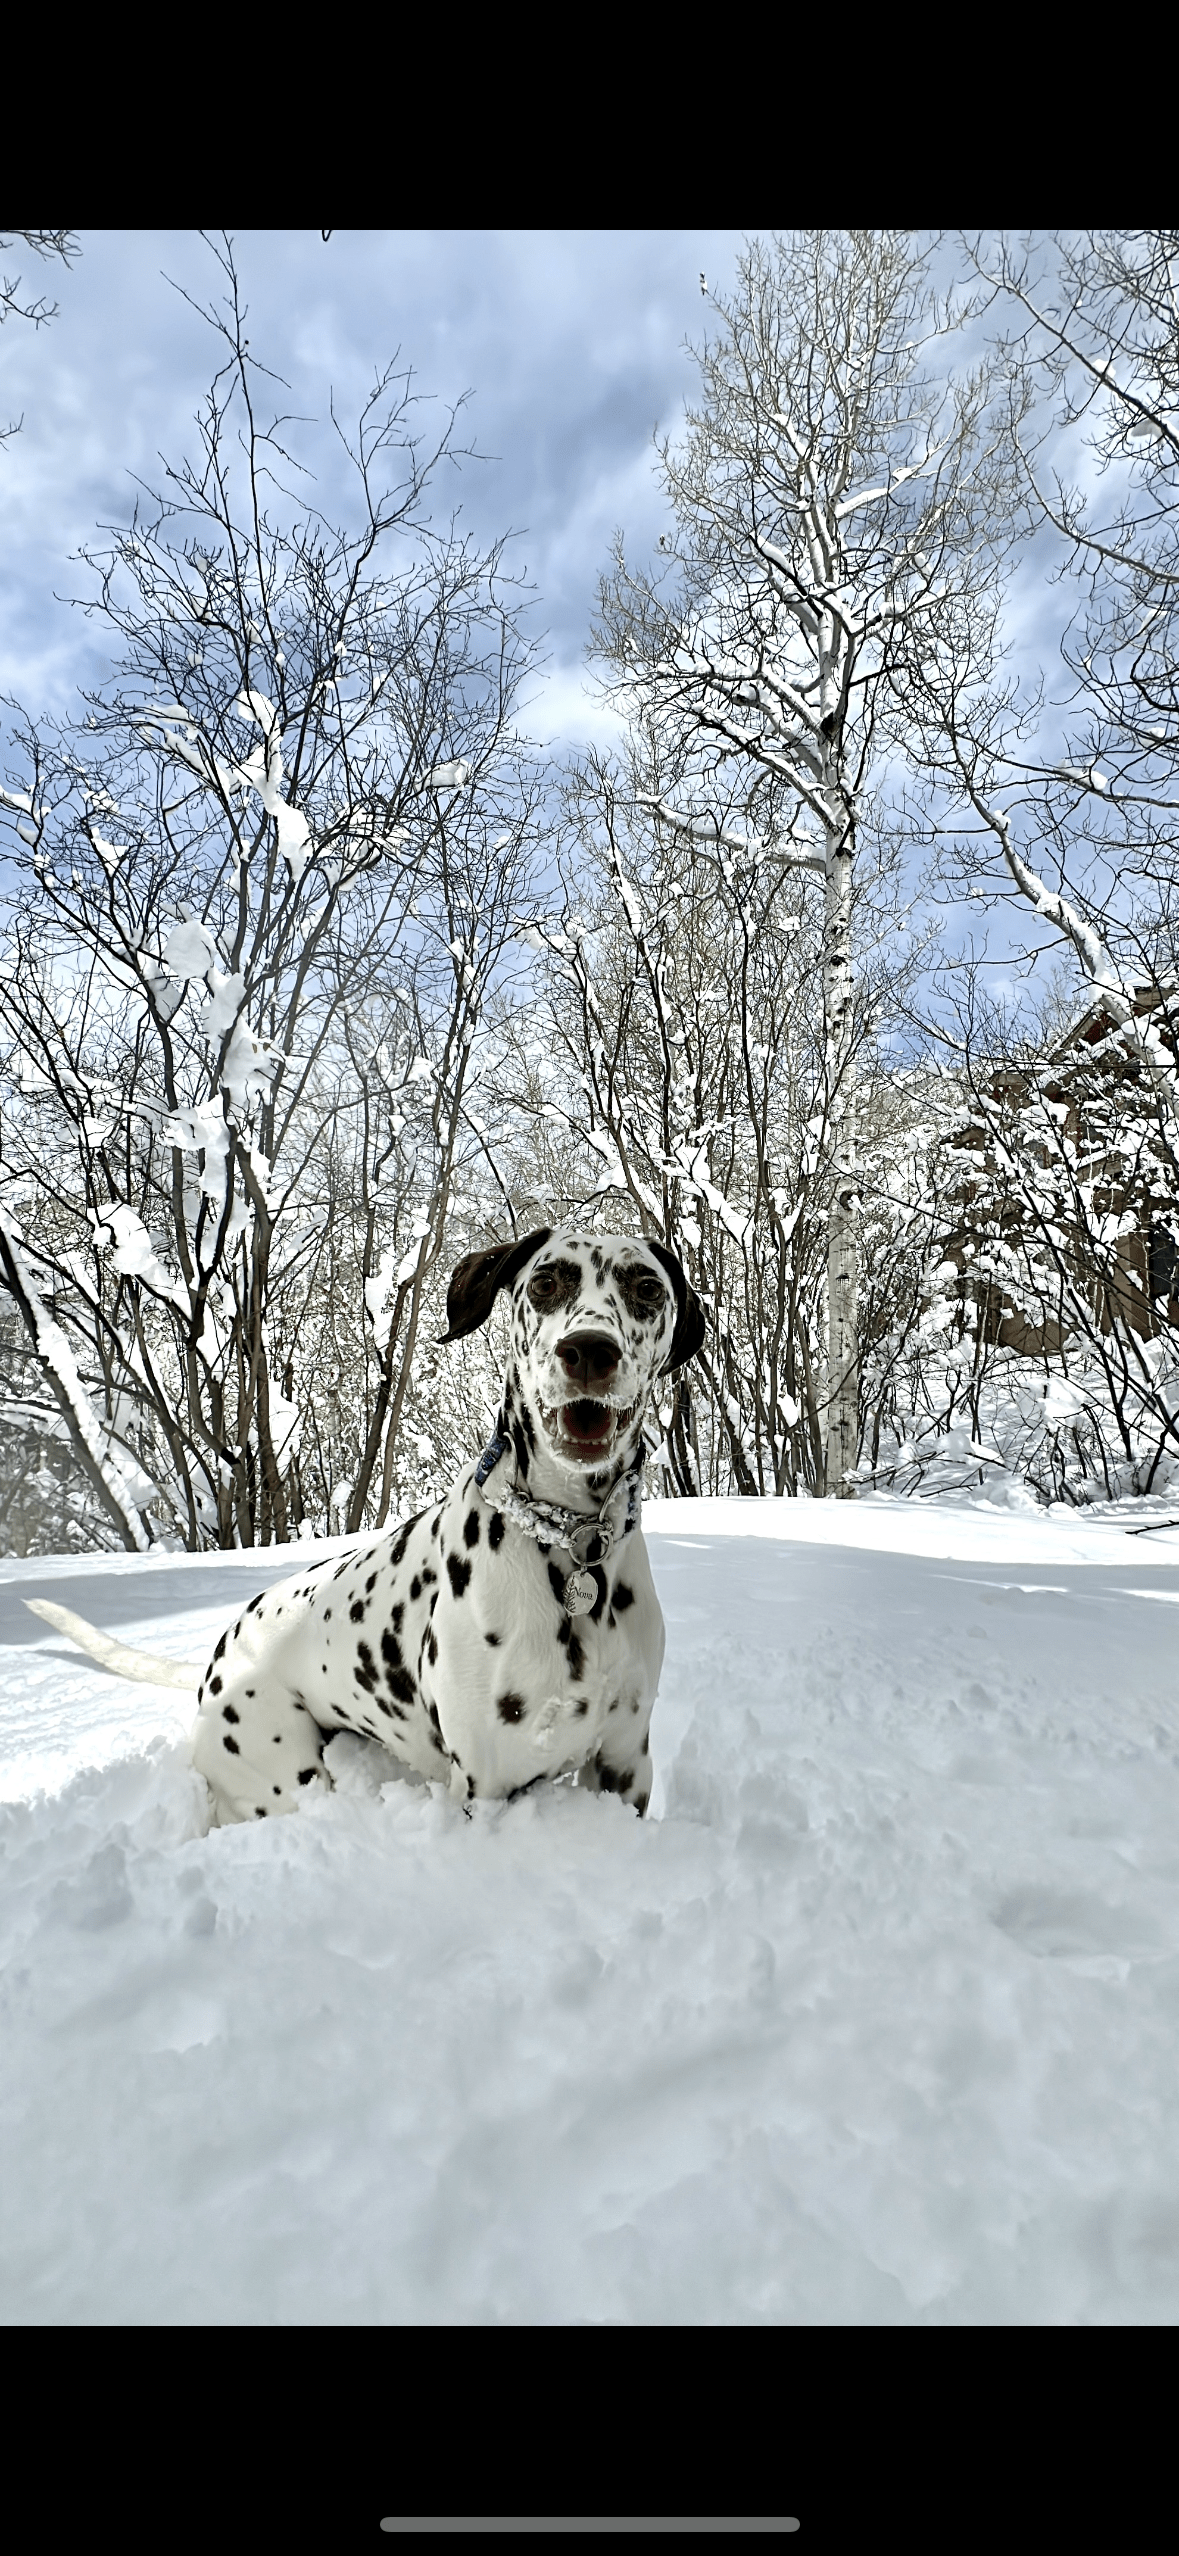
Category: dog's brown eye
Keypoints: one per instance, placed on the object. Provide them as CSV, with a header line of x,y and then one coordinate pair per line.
x,y
650,1290
543,1284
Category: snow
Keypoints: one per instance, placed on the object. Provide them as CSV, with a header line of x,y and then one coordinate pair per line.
x,y
871,2022
189,950
57,1357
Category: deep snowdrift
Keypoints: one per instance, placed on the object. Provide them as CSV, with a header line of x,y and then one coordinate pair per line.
x,y
874,2021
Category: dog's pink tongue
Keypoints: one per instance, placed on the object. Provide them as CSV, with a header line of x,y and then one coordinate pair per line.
x,y
589,1421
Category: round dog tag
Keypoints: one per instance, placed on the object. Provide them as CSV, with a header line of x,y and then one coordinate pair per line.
x,y
581,1589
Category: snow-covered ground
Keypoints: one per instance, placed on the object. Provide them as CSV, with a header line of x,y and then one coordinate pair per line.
x,y
874,2021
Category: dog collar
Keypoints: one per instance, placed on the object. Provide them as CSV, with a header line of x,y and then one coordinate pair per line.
x,y
549,1524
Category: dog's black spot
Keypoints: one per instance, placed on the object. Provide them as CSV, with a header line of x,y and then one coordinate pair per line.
x,y
583,1707
253,1606
564,1629
435,1522
400,1683
557,1585
398,1551
215,1686
307,1774
544,1550
646,1747
576,1655
228,1714
510,1708
438,1743
459,1573
640,1802
231,1745
415,1587
520,1789
369,1585
495,1532
567,1274
428,1578
356,1611
471,1527
219,1653
623,1597
327,1615
237,1628
250,1692
200,1694
638,1295
529,1427
431,1649
259,1814
434,1601
493,1638
277,1788
278,1739
398,1612
614,1705
390,1650
609,1782
520,1443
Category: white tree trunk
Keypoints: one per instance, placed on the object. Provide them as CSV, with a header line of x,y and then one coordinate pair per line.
x,y
843,1243
91,1445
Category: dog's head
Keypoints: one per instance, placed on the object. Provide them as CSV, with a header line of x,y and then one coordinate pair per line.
x,y
597,1319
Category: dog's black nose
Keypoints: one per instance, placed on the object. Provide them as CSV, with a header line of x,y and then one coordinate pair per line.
x,y
588,1357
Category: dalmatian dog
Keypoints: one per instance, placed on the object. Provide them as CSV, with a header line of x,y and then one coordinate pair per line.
x,y
511,1633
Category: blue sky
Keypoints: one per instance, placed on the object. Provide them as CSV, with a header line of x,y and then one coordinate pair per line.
x,y
572,343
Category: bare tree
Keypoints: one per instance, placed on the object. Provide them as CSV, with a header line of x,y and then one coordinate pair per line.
x,y
300,798
838,510
14,302
1065,810
681,1077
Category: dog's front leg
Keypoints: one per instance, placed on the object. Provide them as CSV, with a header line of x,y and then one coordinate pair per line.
x,y
626,1773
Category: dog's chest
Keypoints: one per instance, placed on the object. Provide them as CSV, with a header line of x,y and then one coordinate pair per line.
x,y
523,1688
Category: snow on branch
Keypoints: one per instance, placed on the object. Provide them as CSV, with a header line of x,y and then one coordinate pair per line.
x,y
91,1441
709,829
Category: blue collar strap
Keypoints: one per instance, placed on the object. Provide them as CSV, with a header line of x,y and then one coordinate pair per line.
x,y
491,1456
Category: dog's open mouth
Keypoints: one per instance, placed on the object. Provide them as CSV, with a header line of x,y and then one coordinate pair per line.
x,y
586,1425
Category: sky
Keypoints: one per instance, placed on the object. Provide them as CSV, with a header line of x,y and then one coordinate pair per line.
x,y
572,344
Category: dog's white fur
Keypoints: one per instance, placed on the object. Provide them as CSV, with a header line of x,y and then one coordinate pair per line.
x,y
449,1640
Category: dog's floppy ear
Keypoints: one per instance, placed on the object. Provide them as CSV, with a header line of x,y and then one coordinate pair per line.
x,y
689,1332
477,1281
